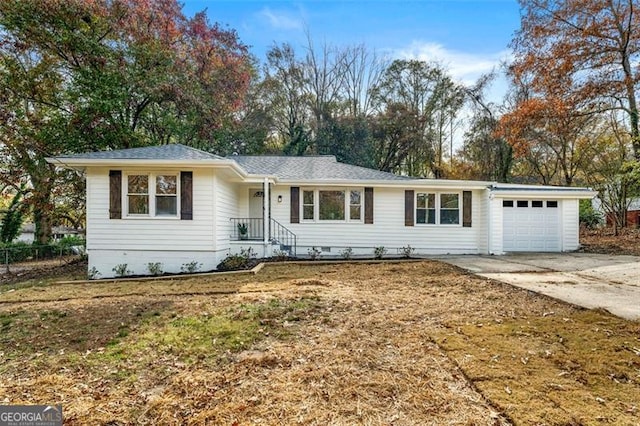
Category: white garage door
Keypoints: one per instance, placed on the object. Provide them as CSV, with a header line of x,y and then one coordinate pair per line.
x,y
531,225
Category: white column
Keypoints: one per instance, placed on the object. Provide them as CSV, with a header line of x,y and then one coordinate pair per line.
x,y
265,212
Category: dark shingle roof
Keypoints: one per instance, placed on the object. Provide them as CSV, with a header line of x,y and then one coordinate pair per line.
x,y
312,168
162,152
316,168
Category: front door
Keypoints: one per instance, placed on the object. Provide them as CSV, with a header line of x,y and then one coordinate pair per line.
x,y
256,208
256,203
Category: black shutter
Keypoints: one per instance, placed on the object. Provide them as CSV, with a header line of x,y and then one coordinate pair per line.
x,y
368,205
408,208
186,195
466,209
115,194
295,205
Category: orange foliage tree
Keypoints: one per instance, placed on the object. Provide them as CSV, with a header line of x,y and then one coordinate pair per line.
x,y
593,44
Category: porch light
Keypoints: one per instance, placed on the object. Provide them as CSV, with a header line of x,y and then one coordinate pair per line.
x,y
279,198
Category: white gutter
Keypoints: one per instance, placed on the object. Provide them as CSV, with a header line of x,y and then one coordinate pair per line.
x,y
544,192
83,163
412,183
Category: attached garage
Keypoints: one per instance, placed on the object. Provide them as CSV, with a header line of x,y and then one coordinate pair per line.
x,y
531,225
527,218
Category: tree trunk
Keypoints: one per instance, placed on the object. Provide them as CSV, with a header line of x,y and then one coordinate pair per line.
x,y
41,202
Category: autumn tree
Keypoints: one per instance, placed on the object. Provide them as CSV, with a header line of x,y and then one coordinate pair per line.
x,y
283,89
78,76
611,172
593,43
422,92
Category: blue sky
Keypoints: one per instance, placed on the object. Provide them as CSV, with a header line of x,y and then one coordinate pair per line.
x,y
469,37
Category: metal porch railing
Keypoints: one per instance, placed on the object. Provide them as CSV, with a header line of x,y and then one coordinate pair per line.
x,y
252,229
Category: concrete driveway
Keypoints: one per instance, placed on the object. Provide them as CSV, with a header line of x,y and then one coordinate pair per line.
x,y
585,279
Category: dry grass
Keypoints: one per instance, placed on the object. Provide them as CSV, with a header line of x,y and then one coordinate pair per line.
x,y
407,344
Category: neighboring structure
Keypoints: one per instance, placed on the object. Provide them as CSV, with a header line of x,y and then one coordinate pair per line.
x,y
632,213
175,205
28,230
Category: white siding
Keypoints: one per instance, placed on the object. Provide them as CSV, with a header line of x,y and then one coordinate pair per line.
x,y
388,229
117,241
137,261
570,224
495,226
481,206
227,199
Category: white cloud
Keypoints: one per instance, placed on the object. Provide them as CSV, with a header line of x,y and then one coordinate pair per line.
x,y
463,66
281,20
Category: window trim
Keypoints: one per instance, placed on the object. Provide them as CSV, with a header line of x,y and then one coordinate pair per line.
x,y
316,204
438,207
151,195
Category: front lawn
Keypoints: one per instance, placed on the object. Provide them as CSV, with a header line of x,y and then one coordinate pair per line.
x,y
413,343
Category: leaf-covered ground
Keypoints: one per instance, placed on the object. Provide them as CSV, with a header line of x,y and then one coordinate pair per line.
x,y
604,240
416,343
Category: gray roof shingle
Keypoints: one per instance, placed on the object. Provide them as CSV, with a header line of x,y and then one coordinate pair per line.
x,y
162,152
311,168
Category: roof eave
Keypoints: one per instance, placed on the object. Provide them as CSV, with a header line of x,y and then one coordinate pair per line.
x,y
83,163
404,183
544,192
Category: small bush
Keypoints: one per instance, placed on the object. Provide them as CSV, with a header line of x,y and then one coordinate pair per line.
x,y
234,262
347,253
72,240
407,251
121,270
280,254
190,267
589,217
314,253
154,268
379,252
93,273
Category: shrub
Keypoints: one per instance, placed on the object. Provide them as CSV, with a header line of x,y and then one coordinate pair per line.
x,y
12,221
234,262
121,270
280,254
314,253
93,273
589,217
347,253
155,268
190,267
379,252
71,241
407,251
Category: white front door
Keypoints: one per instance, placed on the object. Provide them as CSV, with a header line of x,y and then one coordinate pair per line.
x,y
531,225
256,203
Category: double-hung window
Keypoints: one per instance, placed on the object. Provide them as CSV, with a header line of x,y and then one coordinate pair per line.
x,y
437,208
166,195
336,205
152,194
138,194
355,204
449,209
308,205
425,208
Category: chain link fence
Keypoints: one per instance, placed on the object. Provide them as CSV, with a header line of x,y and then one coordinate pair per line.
x,y
20,256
